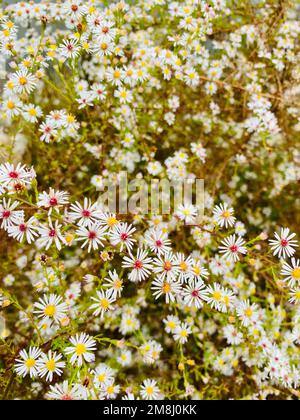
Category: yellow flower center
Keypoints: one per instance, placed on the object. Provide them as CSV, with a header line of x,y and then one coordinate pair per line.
x,y
80,349
149,390
111,221
248,313
101,377
110,389
183,266
50,310
104,303
50,365
183,333
30,363
11,105
226,214
32,112
118,284
166,288
297,294
296,273
23,81
171,325
217,296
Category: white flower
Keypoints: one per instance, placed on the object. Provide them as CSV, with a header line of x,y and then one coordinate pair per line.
x,y
50,234
103,303
122,234
169,288
81,350
247,312
166,266
52,200
23,229
231,247
187,213
140,265
50,364
194,294
9,215
291,273
103,376
284,244
158,241
51,308
24,81
84,215
114,284
149,390
223,215
27,364
182,332
92,235
66,391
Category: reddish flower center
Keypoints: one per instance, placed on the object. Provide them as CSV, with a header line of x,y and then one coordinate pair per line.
x,y
53,201
284,242
158,243
13,174
6,214
138,264
52,233
47,129
22,227
86,213
233,248
124,236
66,397
74,7
105,29
92,235
195,293
70,47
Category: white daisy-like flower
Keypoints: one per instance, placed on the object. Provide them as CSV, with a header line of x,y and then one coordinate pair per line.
x,y
140,266
158,241
27,363
231,247
103,302
169,288
149,390
195,294
291,272
66,391
86,214
114,284
8,213
50,364
166,266
50,234
223,215
52,200
182,332
81,349
103,376
247,313
284,245
92,236
51,308
122,234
